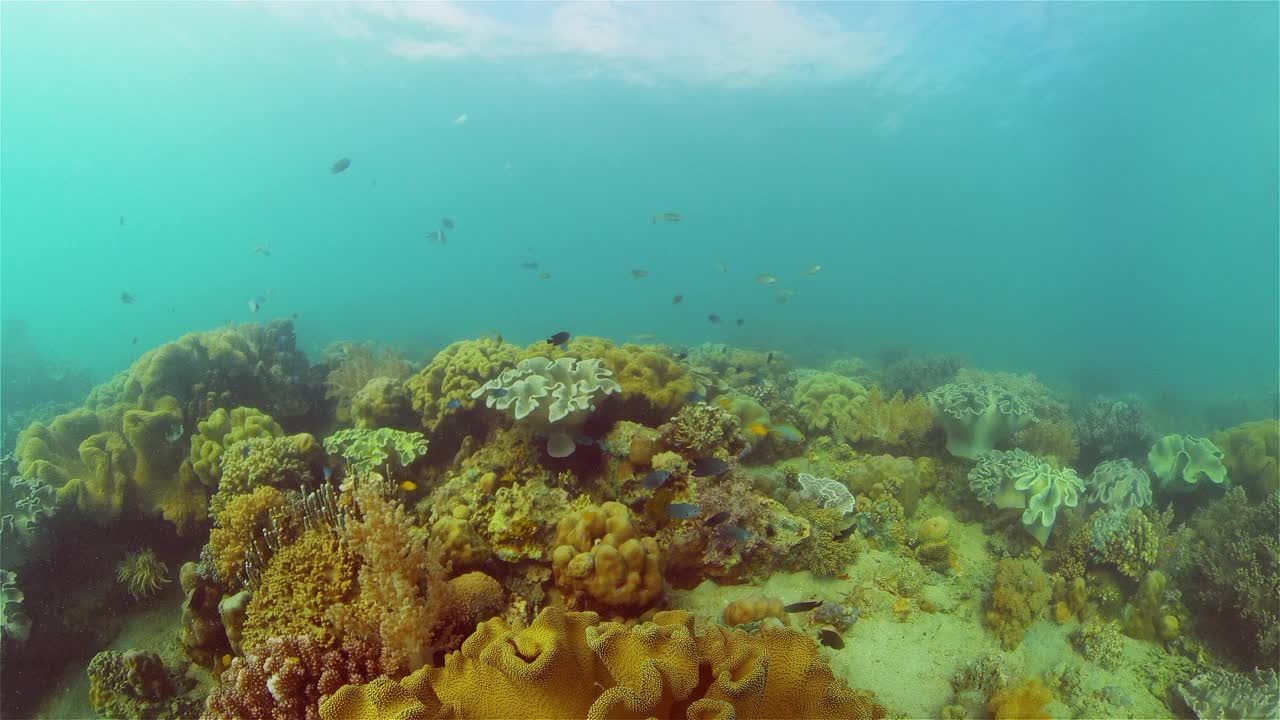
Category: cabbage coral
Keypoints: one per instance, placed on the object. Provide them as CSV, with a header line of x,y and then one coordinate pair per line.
x,y
1180,461
1120,484
553,397
1018,479
977,417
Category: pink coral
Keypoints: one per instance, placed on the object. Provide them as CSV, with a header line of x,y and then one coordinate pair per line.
x,y
287,678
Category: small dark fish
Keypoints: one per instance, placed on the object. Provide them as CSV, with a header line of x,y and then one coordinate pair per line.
x,y
133,341
559,338
737,533
327,472
244,450
128,298
121,221
709,467
845,533
639,273
768,358
676,300
831,639
584,440
339,166
446,223
716,519
665,217
373,183
453,404
682,511
498,392
694,396
655,479
261,250
529,265
741,322
682,355
254,306
800,607
715,319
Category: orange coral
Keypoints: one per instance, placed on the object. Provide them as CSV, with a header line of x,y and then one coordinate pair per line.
x,y
300,582
1019,593
241,520
1024,702
599,555
751,609
569,664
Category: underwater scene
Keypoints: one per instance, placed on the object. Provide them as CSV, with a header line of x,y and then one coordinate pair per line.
x,y
639,360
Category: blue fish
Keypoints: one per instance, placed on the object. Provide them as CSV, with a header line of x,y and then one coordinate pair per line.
x,y
327,472
682,511
655,479
244,450
709,467
453,404
694,396
737,533
498,392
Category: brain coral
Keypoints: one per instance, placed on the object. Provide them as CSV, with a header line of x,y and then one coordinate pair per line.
x,y
454,373
599,556
977,417
568,664
220,431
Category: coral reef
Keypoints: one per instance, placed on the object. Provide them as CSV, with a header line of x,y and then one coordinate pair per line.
x,y
976,418
554,398
1019,593
353,367
203,637
753,609
893,422
383,402
222,429
1180,461
1120,485
1224,694
1251,454
600,556
703,430
915,374
367,451
826,493
1100,642
880,476
1017,479
137,684
653,385
573,665
14,623
300,582
1125,539
1020,702
454,373
1110,430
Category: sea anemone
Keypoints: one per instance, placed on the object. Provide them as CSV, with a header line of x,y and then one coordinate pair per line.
x,y
142,573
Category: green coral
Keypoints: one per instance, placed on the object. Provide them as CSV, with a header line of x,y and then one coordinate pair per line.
x,y
978,416
1121,485
1101,642
1018,479
382,402
830,404
220,431
1180,461
1251,453
371,450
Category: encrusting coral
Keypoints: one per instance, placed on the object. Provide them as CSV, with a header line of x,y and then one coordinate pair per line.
x,y
569,664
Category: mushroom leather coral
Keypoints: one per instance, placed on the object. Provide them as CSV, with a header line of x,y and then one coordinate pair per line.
x,y
571,665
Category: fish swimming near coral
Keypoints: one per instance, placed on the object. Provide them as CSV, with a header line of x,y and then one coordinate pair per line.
x,y
261,250
244,450
254,305
639,273
709,467
736,533
831,639
453,404
741,322
758,430
128,298
665,217
800,607
785,295
716,519
682,511
845,533
655,479
408,486
787,432
693,396
560,339
121,221
342,164
529,265
327,472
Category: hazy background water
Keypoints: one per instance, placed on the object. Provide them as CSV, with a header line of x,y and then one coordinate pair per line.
x,y
1061,188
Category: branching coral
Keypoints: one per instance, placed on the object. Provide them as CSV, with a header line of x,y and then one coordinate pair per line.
x,y
352,366
1125,539
142,573
553,398
1112,429
1121,485
1019,593
600,556
454,373
573,665
1180,461
703,430
137,684
977,417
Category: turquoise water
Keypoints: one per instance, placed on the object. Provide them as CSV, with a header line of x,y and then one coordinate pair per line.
x,y
1071,189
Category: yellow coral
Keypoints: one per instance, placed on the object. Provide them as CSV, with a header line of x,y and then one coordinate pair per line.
x,y
454,373
1022,702
239,522
220,431
1019,593
648,375
300,582
598,554
569,664
891,422
1251,453
830,404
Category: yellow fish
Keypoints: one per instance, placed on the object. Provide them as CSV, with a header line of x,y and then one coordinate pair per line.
x,y
758,430
723,402
408,486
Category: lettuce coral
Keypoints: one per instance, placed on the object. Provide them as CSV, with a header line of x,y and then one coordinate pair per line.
x,y
1251,453
568,664
1119,484
367,450
977,417
1180,461
552,397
